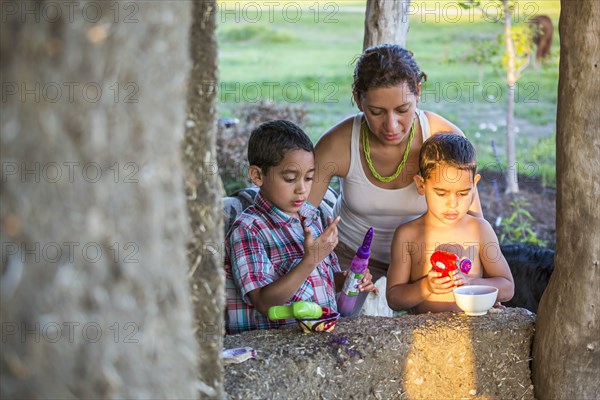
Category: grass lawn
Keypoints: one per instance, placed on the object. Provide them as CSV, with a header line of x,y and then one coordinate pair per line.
x,y
302,53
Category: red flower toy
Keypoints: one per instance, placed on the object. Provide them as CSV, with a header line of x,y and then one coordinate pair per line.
x,y
447,263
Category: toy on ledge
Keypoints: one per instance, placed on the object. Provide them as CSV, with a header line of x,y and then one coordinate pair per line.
x,y
310,316
447,263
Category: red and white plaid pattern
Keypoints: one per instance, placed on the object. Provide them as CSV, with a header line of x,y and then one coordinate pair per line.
x,y
263,245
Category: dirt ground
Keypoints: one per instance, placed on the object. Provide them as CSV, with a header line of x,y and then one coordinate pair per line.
x,y
542,204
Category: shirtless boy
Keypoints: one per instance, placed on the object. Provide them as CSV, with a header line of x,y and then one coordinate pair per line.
x,y
448,180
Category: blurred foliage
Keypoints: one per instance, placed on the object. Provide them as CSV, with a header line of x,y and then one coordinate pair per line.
x,y
233,136
542,156
517,228
483,50
257,33
523,41
487,51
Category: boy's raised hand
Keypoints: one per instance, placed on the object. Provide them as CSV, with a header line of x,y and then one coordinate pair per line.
x,y
317,248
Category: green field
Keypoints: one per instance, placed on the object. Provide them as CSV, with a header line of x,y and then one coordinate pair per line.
x,y
302,53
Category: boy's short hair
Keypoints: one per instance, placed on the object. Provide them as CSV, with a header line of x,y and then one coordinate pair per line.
x,y
270,141
453,150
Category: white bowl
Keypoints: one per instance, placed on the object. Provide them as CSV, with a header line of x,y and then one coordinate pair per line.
x,y
476,299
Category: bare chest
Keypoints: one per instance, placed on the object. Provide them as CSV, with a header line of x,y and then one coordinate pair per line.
x,y
467,246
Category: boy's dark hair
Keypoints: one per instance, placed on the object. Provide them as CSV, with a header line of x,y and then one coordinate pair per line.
x,y
453,150
386,65
270,141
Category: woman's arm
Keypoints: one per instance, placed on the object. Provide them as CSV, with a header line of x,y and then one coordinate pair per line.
x,y
332,158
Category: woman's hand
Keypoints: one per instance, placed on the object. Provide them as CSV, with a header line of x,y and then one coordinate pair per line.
x,y
367,285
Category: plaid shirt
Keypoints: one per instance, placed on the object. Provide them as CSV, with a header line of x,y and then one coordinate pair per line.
x,y
263,245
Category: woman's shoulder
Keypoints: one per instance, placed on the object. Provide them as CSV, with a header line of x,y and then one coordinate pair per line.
x,y
439,124
337,134
335,145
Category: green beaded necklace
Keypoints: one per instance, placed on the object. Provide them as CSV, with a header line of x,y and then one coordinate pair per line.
x,y
367,149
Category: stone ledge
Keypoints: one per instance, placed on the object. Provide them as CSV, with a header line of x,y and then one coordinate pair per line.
x,y
445,355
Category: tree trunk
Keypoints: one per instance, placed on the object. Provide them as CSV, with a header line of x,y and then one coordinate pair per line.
x,y
512,170
95,298
386,22
204,194
566,348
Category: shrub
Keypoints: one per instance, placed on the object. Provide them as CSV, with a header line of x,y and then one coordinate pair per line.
x,y
517,228
233,136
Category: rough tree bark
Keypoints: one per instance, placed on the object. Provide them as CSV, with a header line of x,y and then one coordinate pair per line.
x,y
95,297
566,348
386,22
204,194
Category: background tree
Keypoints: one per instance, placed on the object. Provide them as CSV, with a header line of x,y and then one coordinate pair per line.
x,y
517,49
386,22
204,200
566,351
94,294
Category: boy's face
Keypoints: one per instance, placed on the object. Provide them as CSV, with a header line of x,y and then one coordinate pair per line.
x,y
287,184
449,192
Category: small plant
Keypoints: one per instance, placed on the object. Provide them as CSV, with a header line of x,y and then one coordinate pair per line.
x,y
517,227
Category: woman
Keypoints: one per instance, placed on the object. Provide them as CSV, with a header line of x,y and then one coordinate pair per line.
x,y
375,154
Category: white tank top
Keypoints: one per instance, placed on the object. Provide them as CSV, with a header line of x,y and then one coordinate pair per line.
x,y
362,204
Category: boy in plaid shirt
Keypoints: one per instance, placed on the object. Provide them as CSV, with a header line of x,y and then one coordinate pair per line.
x,y
277,252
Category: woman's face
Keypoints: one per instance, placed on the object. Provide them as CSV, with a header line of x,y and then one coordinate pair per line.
x,y
389,111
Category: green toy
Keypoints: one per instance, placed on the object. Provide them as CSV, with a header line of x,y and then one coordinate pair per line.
x,y
298,310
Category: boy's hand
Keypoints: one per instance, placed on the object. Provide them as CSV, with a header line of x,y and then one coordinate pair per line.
x,y
316,249
437,284
460,278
